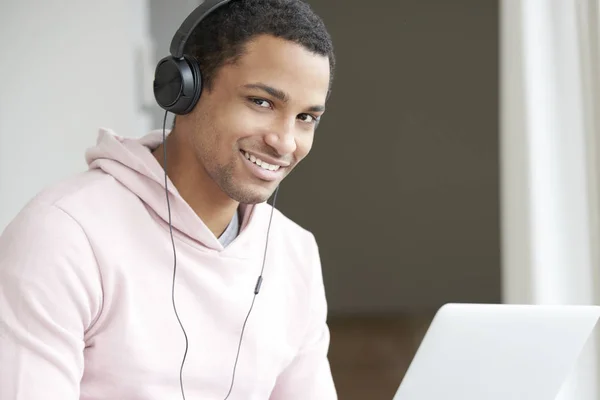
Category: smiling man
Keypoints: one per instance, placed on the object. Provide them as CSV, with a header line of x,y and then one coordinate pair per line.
x,y
254,123
109,291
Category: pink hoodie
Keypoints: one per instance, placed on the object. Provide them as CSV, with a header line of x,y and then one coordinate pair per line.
x,y
86,311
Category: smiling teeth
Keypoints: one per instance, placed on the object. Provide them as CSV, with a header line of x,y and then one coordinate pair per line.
x,y
261,163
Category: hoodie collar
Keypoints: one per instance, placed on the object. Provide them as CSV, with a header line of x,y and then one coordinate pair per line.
x,y
130,161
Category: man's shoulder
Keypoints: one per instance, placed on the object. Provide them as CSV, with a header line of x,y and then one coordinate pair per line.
x,y
44,223
63,197
76,188
296,242
292,227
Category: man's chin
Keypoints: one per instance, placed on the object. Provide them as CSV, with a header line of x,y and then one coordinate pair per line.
x,y
252,194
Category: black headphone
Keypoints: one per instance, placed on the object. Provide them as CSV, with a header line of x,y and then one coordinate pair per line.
x,y
177,78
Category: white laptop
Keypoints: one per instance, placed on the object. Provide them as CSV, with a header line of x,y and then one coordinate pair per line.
x,y
498,352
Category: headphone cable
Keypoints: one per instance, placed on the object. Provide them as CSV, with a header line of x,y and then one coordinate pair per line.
x,y
256,288
256,291
174,257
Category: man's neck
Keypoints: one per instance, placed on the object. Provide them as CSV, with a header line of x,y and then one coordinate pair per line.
x,y
203,195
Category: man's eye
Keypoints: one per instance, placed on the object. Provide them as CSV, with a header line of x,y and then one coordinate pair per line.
x,y
308,118
261,102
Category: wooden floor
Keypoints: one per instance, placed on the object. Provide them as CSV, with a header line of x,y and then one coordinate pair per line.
x,y
369,355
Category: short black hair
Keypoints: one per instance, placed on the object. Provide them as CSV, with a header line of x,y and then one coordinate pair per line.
x,y
221,37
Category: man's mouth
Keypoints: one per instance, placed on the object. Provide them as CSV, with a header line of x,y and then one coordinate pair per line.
x,y
263,164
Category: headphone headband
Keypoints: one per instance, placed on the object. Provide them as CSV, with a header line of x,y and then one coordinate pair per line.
x,y
191,22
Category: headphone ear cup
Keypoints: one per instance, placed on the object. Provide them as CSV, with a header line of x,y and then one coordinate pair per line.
x,y
177,84
197,83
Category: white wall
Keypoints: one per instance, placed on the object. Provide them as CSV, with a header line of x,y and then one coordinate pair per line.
x,y
68,67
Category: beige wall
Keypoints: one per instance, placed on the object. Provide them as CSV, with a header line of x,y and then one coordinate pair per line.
x,y
401,188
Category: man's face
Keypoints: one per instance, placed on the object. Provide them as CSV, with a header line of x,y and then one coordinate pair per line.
x,y
258,120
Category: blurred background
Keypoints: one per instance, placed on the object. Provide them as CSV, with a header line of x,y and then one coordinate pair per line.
x,y
458,160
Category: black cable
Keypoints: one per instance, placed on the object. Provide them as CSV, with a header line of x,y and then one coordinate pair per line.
x,y
256,288
256,291
174,257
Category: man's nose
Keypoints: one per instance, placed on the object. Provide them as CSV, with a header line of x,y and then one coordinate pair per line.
x,y
282,139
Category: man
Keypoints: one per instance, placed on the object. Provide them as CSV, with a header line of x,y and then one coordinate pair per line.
x,y
95,303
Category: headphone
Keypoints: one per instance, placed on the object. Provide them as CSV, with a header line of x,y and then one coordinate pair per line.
x,y
177,78
177,89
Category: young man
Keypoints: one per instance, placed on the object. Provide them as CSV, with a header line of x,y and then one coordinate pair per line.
x,y
93,303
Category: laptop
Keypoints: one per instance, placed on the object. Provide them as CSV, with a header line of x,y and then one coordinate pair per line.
x,y
498,352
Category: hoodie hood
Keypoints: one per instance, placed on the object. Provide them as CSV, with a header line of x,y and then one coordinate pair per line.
x,y
130,161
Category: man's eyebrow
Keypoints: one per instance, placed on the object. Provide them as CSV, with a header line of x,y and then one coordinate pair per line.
x,y
316,109
279,94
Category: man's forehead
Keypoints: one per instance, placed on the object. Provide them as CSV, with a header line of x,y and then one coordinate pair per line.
x,y
294,69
